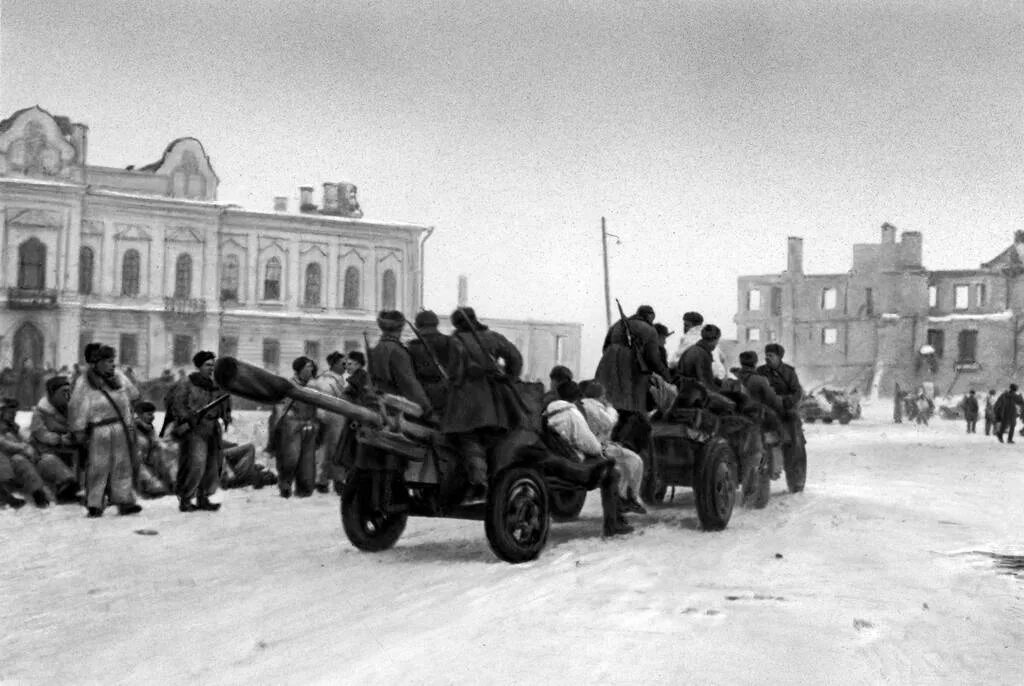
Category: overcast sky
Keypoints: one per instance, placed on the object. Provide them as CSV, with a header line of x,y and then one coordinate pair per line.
x,y
705,132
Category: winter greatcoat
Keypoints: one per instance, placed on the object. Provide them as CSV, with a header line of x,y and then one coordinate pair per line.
x,y
199,457
696,363
970,405
479,397
784,381
156,466
624,382
391,370
426,370
294,430
1006,410
332,425
110,437
57,452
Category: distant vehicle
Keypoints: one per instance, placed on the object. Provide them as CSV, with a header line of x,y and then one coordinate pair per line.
x,y
828,405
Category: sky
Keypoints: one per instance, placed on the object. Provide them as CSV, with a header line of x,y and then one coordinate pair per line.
x,y
705,133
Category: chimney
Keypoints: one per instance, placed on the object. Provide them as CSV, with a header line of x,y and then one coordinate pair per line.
x,y
910,249
795,255
280,203
79,141
331,205
306,199
888,233
463,290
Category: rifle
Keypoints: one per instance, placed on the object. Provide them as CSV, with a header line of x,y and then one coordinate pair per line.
x,y
369,371
501,376
430,351
182,427
631,341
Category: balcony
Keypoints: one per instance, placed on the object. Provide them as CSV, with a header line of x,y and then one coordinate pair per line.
x,y
185,307
31,298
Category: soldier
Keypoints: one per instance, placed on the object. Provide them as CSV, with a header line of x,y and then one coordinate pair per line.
x,y
58,453
559,375
99,412
16,456
391,365
1006,409
357,382
481,405
697,360
767,404
423,360
784,381
625,375
239,467
156,469
199,437
293,436
332,383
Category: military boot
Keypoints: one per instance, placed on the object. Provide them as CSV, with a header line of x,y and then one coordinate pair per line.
x,y
8,498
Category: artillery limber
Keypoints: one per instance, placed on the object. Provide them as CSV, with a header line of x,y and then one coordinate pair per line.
x,y
409,469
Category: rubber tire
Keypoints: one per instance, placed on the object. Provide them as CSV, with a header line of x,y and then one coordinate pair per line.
x,y
794,461
826,420
652,490
518,494
365,531
763,491
845,418
566,505
714,486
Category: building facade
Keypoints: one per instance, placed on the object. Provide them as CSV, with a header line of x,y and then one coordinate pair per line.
x,y
890,320
146,259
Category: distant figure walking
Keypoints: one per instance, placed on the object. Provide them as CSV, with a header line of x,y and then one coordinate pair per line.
x,y
1006,409
924,407
897,405
970,407
990,412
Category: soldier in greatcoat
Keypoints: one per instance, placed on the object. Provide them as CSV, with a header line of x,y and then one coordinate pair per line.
x,y
697,361
786,385
332,383
156,467
425,362
625,374
58,452
17,470
481,405
391,365
100,414
199,437
293,435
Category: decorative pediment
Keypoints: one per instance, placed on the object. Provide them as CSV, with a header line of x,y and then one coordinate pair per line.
x,y
184,234
272,244
384,254
353,252
91,227
131,232
35,218
31,142
188,167
234,242
308,248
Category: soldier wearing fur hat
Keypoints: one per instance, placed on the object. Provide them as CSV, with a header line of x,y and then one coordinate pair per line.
x,y
625,374
294,429
199,438
481,405
391,365
427,354
100,414
156,465
17,468
58,451
696,362
784,381
332,383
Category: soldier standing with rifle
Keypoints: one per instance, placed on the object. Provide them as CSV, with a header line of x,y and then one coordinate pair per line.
x,y
631,355
199,405
430,353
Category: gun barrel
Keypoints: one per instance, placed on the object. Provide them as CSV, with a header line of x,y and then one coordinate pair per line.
x,y
259,385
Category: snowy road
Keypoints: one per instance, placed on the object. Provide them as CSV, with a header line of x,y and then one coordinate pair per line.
x,y
865,578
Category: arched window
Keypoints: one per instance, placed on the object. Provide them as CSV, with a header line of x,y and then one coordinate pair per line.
x,y
183,276
350,299
229,278
389,286
85,265
32,265
130,273
312,295
272,280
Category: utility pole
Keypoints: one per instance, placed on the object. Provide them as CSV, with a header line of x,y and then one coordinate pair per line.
x,y
607,291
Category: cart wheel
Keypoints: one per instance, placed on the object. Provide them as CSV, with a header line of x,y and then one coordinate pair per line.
x,y
369,529
518,517
714,486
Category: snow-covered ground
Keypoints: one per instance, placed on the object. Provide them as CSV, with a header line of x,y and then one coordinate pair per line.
x,y
867,577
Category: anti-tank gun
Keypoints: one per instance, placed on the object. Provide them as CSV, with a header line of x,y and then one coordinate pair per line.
x,y
404,466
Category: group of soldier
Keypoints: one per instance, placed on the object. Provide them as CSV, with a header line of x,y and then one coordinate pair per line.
x,y
91,441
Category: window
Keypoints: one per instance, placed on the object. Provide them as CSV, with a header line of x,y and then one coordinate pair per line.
x,y
272,280
85,265
228,346
312,350
351,344
933,296
312,294
271,353
937,340
559,349
828,299
776,301
32,265
982,295
128,350
753,335
350,297
754,299
389,287
182,349
967,347
829,336
130,273
183,276
229,279
869,301
961,297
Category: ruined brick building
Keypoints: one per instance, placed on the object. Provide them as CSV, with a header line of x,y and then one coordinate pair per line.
x,y
890,320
